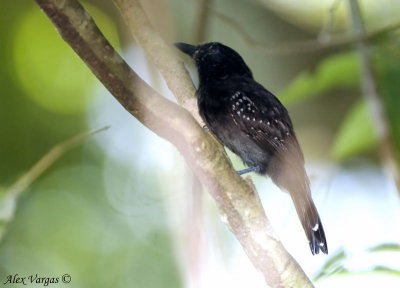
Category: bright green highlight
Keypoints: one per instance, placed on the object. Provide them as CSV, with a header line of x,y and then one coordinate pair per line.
x,y
339,70
48,69
356,134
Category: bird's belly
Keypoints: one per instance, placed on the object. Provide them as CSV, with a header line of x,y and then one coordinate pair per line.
x,y
243,146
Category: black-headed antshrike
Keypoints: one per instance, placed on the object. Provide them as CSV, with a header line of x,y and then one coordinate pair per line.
x,y
252,122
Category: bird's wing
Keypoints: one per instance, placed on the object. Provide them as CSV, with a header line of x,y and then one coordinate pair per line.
x,y
264,119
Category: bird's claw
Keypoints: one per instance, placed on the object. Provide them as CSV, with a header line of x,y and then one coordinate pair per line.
x,y
256,169
205,128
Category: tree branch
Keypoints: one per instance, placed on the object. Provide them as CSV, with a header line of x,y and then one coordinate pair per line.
x,y
305,46
237,199
47,160
202,20
326,31
370,91
172,69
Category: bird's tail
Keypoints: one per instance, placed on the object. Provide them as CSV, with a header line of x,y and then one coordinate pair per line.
x,y
309,218
287,171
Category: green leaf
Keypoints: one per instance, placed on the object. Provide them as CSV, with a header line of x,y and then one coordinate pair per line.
x,y
386,270
387,64
391,247
337,71
334,265
356,134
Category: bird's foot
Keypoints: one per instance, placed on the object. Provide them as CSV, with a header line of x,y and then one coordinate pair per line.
x,y
256,169
205,128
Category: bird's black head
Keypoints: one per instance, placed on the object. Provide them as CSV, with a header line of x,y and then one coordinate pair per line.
x,y
215,61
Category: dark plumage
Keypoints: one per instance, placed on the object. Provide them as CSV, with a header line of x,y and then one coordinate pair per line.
x,y
252,122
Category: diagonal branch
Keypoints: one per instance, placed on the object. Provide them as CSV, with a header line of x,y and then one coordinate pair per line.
x,y
305,46
172,70
237,199
160,53
47,160
9,198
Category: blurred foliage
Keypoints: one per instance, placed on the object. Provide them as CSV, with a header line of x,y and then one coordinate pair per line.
x,y
112,231
386,247
62,90
332,266
336,71
72,229
313,13
65,223
338,263
387,61
7,209
9,196
27,129
356,133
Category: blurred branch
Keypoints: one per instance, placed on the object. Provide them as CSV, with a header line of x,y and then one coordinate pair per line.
x,y
8,199
47,160
172,69
305,46
236,198
327,29
202,20
370,91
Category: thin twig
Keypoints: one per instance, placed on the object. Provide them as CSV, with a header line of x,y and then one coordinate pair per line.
x,y
9,198
237,199
305,46
202,20
370,91
47,160
327,29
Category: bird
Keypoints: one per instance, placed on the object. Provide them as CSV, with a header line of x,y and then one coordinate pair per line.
x,y
252,122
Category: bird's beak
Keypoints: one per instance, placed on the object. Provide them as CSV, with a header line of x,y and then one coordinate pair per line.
x,y
186,48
